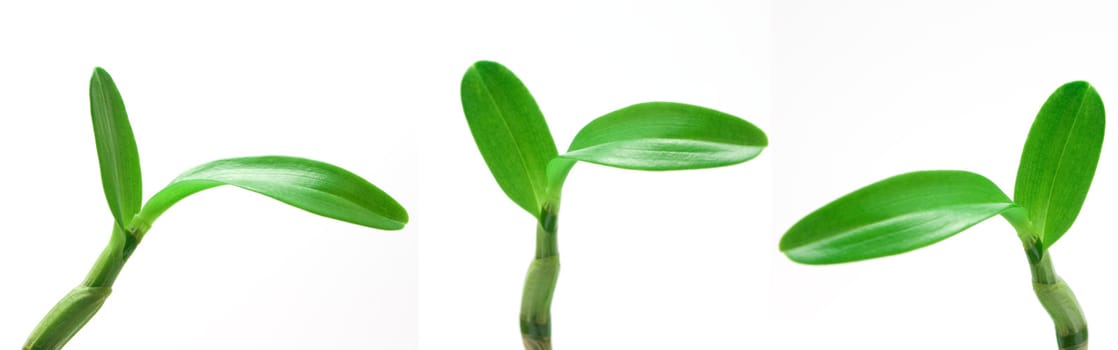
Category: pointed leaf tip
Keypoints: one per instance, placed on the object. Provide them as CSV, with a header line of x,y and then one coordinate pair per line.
x,y
1059,159
667,136
893,216
116,148
510,132
314,186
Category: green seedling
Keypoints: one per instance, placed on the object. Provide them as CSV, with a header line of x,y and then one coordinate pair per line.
x,y
515,142
913,210
310,185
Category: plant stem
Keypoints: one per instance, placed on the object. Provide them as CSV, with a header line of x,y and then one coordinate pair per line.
x,y
75,309
539,286
1060,302
1055,295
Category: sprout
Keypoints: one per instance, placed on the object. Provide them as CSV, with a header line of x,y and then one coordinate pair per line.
x,y
306,184
513,137
913,210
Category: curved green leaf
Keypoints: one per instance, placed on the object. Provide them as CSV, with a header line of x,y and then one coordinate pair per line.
x,y
510,132
557,171
667,136
116,148
893,216
306,184
1059,159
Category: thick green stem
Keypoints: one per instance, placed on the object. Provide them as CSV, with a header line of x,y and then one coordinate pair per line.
x,y
1060,302
1055,295
75,309
539,286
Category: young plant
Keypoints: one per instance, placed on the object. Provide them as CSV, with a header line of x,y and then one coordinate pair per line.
x,y
306,184
515,142
913,210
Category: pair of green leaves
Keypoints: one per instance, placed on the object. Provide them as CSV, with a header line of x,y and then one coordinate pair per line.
x,y
310,185
917,209
513,137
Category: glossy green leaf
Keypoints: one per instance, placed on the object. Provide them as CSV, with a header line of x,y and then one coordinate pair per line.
x,y
116,148
510,132
306,184
893,216
667,136
1059,159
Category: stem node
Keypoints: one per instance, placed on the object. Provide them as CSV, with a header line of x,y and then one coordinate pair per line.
x,y
1061,304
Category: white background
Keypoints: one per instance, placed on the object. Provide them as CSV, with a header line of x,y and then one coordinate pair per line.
x,y
226,268
859,91
869,89
650,260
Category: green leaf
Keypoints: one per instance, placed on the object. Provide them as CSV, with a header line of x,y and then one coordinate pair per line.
x,y
306,184
893,216
667,136
510,132
116,148
1059,159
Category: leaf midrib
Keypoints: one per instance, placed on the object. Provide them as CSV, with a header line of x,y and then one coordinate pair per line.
x,y
671,141
108,120
334,198
870,225
508,130
1060,162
